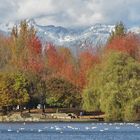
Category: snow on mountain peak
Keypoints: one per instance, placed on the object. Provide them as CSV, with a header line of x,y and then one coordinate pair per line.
x,y
69,37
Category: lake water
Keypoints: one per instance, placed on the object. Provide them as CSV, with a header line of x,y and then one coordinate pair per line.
x,y
69,131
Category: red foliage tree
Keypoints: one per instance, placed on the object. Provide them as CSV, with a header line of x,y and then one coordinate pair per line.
x,y
87,60
53,60
61,63
35,65
129,44
35,45
32,57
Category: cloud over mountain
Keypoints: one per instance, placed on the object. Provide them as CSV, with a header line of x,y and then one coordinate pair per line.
x,y
71,12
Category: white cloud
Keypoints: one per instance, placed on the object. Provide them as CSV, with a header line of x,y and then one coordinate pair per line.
x,y
8,9
71,12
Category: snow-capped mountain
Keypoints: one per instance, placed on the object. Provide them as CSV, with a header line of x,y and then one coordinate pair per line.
x,y
70,37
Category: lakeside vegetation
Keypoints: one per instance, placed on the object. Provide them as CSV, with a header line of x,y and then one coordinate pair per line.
x,y
105,79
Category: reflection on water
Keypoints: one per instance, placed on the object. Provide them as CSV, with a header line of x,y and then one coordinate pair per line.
x,y
69,131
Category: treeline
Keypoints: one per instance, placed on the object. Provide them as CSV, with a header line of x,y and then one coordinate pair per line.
x,y
114,84
107,79
32,73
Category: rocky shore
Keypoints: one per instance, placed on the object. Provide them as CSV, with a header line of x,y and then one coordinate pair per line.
x,y
55,117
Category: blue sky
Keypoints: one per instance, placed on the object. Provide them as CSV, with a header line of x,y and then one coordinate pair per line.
x,y
72,12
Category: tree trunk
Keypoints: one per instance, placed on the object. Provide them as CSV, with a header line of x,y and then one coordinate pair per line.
x,y
21,110
4,110
43,109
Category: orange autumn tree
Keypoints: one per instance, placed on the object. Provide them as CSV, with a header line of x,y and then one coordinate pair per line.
x,y
128,44
35,62
68,70
5,52
34,44
52,60
63,64
87,60
60,62
26,48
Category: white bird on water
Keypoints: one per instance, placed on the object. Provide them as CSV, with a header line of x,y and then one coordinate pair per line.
x,y
87,128
39,130
22,128
57,128
94,127
117,127
9,129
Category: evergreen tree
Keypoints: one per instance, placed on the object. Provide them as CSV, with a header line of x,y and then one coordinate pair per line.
x,y
119,31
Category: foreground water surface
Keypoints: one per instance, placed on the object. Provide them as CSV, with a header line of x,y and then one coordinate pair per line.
x,y
69,131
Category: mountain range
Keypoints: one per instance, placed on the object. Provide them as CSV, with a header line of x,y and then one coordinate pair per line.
x,y
69,37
